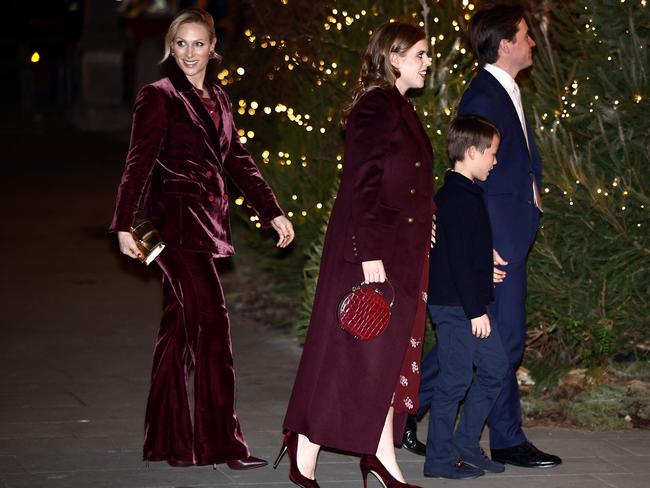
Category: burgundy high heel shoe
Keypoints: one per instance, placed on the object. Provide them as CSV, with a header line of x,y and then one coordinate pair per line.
x,y
370,464
290,445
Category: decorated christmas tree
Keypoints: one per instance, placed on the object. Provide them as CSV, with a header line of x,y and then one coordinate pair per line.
x,y
587,98
302,60
589,276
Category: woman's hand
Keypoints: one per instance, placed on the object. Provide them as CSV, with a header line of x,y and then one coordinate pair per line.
x,y
127,245
283,227
373,271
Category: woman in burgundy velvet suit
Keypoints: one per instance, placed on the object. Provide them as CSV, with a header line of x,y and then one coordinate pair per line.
x,y
183,144
355,395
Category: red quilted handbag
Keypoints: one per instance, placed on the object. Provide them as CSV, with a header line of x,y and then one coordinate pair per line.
x,y
364,312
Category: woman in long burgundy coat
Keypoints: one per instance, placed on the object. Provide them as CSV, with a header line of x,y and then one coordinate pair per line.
x,y
183,144
354,395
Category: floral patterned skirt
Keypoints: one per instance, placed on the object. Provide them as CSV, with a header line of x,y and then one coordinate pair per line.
x,y
405,398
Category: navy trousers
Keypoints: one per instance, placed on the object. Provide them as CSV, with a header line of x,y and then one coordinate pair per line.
x,y
509,313
459,352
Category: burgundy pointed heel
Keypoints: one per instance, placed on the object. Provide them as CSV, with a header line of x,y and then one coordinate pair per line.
x,y
290,445
370,464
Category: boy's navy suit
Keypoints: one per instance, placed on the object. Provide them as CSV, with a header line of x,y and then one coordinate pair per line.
x,y
514,217
460,289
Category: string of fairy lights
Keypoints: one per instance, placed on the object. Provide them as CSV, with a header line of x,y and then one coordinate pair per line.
x,y
330,71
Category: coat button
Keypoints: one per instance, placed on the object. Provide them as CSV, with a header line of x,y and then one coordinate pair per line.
x,y
208,174
412,191
418,164
410,220
225,197
210,198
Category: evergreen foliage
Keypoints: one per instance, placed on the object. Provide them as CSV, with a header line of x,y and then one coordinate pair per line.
x,y
588,273
589,276
303,59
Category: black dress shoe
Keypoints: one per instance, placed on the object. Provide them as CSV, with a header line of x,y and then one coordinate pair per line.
x,y
525,455
249,462
410,440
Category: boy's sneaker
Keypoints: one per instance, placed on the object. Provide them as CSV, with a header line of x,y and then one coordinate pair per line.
x,y
479,460
457,471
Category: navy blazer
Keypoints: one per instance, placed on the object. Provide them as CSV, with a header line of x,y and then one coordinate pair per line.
x,y
461,261
509,188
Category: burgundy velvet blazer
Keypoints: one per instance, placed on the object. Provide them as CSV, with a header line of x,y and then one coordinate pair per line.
x,y
177,164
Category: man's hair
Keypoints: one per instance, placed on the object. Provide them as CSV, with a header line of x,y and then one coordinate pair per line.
x,y
466,131
490,25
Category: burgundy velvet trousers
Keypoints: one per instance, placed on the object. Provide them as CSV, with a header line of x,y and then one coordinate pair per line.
x,y
194,335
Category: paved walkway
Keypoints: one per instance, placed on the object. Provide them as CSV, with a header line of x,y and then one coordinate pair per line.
x,y
77,332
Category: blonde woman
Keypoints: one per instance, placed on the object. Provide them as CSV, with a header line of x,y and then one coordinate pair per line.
x,y
183,144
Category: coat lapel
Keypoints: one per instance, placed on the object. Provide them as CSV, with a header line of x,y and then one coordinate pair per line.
x,y
506,101
413,121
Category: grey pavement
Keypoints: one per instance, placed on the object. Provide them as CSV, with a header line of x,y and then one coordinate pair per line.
x,y
77,334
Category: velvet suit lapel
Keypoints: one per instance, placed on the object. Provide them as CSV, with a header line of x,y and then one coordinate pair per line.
x,y
198,112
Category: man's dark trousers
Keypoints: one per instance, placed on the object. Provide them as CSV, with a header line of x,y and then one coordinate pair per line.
x,y
459,351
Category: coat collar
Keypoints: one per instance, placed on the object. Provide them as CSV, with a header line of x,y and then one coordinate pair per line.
x,y
412,120
461,181
507,102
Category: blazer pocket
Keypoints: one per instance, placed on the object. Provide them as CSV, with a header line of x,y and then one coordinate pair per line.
x,y
182,187
388,215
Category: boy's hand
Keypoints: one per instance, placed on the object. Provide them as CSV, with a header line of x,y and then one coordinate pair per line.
x,y
498,275
481,326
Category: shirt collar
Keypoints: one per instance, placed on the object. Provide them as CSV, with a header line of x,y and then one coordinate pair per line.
x,y
503,77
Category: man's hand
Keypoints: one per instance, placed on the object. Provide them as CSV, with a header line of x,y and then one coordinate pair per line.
x,y
498,275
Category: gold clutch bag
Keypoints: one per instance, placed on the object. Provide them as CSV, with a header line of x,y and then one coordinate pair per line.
x,y
147,239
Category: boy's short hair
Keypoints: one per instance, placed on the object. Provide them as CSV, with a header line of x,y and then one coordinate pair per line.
x,y
466,131
490,25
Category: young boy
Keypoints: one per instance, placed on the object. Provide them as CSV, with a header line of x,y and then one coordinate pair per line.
x,y
460,288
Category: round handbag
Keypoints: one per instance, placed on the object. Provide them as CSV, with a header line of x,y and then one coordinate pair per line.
x,y
364,312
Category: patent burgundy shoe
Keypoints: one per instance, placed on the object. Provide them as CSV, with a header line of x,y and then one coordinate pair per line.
x,y
525,455
249,462
410,440
371,464
290,446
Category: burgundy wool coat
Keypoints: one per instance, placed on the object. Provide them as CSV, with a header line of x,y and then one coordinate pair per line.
x,y
383,210
177,164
